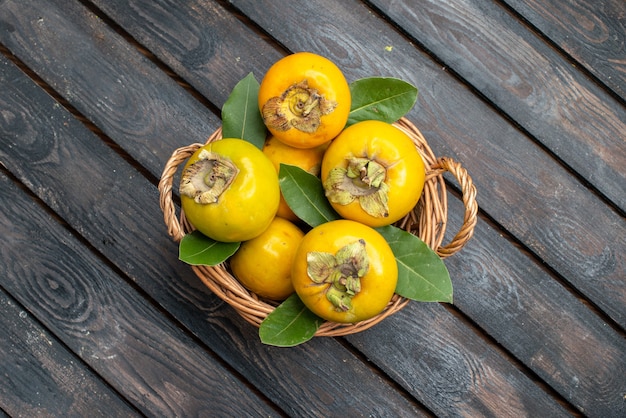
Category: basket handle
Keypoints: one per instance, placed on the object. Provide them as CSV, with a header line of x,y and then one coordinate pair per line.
x,y
468,190
166,201
176,230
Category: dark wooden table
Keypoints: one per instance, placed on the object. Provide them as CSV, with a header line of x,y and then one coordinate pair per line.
x,y
98,317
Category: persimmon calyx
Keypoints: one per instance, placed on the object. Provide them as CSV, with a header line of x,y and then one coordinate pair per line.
x,y
206,179
363,180
298,107
340,272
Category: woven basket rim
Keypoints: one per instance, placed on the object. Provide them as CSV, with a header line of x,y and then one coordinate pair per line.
x,y
428,220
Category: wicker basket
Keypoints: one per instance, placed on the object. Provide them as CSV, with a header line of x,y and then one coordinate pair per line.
x,y
427,220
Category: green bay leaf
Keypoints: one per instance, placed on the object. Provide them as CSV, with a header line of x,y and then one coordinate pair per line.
x,y
241,117
304,194
422,274
290,324
380,98
198,249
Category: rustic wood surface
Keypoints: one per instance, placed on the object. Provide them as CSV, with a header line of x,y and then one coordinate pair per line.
x,y
98,317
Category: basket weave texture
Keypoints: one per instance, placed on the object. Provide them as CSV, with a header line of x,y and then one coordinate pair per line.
x,y
427,220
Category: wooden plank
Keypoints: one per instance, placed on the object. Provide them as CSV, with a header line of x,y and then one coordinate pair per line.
x,y
136,24
205,44
576,310
571,261
529,81
519,185
317,375
40,376
142,103
587,30
445,345
528,312
517,302
546,327
119,216
104,321
321,376
142,354
453,365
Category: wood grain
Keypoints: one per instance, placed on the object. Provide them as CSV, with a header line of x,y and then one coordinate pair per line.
x,y
323,378
519,185
139,247
73,292
384,349
320,375
40,376
88,184
111,327
540,322
586,30
441,366
522,321
108,80
526,78
205,44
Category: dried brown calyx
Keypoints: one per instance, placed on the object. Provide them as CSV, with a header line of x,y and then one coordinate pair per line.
x,y
206,179
341,272
363,180
298,107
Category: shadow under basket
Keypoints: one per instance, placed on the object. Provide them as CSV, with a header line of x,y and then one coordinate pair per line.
x,y
427,220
